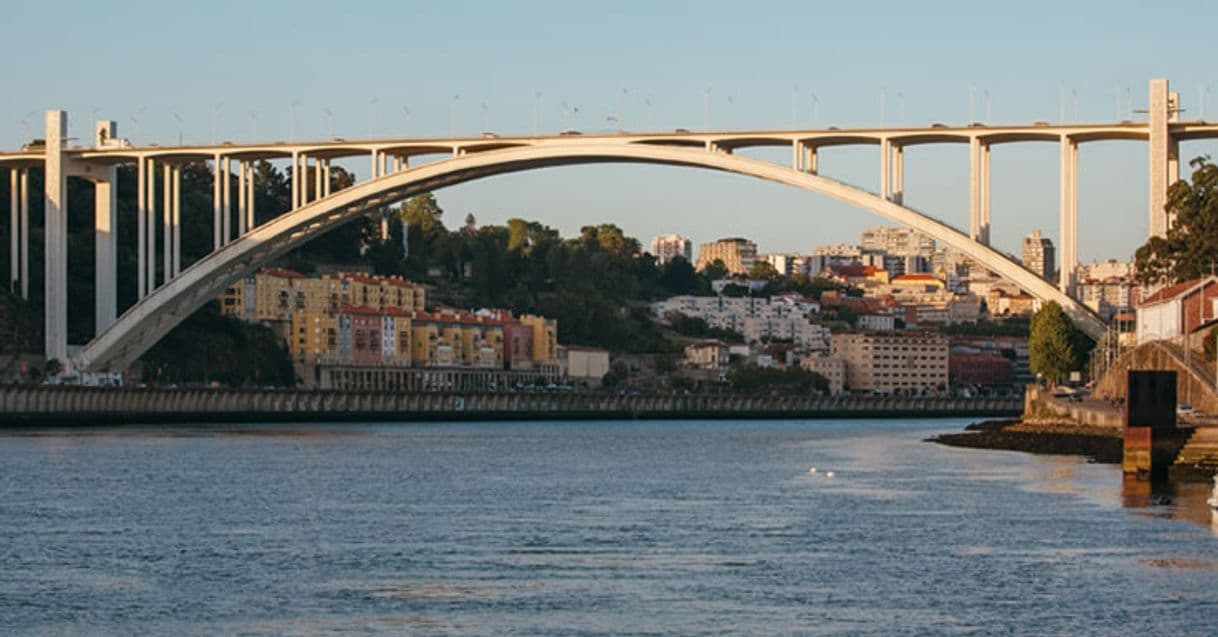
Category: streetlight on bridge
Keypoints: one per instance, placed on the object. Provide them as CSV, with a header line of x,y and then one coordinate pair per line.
x,y
706,109
292,120
215,111
452,116
139,114
253,125
329,122
406,111
621,112
537,113
650,114
179,119
372,116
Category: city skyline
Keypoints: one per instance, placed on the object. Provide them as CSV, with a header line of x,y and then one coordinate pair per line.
x,y
653,68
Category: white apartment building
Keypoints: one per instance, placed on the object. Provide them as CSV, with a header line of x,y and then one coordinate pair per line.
x,y
667,247
897,242
893,362
782,317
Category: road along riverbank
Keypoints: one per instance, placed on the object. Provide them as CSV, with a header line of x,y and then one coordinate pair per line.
x,y
59,406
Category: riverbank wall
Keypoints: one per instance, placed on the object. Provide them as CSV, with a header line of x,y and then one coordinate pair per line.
x,y
58,406
1041,407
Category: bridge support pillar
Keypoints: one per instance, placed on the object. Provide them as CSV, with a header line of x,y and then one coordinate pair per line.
x,y
898,174
251,210
55,189
242,199
105,248
19,226
1164,153
177,220
984,203
216,241
325,179
886,169
1068,215
150,274
226,201
317,178
141,222
295,180
167,201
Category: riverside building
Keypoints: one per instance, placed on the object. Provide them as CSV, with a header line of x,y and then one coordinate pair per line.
x,y
891,363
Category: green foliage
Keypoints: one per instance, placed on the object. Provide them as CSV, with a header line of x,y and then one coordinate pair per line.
x,y
762,270
210,347
678,277
716,270
792,380
1015,326
1050,350
1190,248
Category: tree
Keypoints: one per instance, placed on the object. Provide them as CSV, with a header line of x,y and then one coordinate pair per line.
x,y
1050,352
1190,248
763,270
716,269
678,276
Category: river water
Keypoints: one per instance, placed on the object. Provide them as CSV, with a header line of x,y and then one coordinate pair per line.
x,y
586,528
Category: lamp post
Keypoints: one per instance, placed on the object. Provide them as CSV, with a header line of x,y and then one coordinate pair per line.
x,y
406,111
139,114
215,113
706,109
372,116
452,116
537,113
329,122
486,117
650,114
179,119
292,120
621,112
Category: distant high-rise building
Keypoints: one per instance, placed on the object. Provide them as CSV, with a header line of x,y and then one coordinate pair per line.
x,y
1038,254
667,247
735,253
898,242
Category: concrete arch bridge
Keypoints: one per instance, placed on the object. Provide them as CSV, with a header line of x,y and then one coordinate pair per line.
x,y
169,294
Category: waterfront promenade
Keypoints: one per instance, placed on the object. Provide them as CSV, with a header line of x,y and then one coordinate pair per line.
x,y
49,405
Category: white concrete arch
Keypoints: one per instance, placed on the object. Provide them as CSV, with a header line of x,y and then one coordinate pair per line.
x,y
151,318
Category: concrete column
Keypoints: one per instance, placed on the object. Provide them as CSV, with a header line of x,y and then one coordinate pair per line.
x,y
105,248
166,222
216,194
24,233
796,155
1160,155
885,169
55,188
14,223
317,178
373,172
226,224
325,179
984,203
295,180
397,164
242,208
812,165
141,222
1068,260
150,273
251,209
974,188
898,173
177,220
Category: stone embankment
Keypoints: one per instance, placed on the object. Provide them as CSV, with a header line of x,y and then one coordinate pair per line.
x,y
84,405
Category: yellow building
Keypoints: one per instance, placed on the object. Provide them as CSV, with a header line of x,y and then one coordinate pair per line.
x,y
545,338
314,335
274,294
735,253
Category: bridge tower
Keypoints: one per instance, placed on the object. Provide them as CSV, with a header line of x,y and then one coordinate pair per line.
x,y
1164,169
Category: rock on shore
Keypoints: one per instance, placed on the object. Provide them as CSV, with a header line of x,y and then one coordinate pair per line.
x,y
1097,444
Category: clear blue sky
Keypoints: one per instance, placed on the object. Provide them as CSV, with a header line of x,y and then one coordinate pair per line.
x,y
364,60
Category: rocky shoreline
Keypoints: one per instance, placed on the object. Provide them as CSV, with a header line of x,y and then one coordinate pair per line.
x,y
1097,444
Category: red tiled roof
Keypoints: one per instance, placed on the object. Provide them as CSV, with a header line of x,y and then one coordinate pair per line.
x,y
282,273
1172,291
